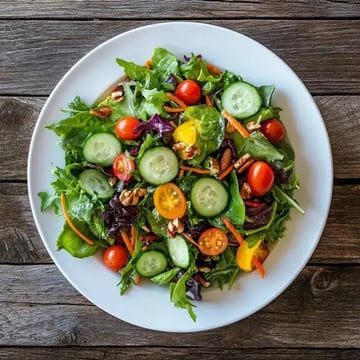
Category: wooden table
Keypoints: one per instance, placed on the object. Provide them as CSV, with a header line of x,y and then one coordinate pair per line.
x,y
43,317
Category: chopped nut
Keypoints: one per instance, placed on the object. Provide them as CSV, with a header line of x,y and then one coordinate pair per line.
x,y
204,269
225,159
118,93
191,151
132,197
178,146
175,226
112,180
253,126
242,160
229,128
214,166
103,112
244,167
245,191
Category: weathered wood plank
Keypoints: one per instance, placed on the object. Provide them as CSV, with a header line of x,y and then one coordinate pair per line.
x,y
321,300
341,115
20,242
164,9
150,353
36,54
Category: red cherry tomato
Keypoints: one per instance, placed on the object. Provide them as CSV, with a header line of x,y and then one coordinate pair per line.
x,y
115,257
189,92
274,130
260,177
122,166
125,128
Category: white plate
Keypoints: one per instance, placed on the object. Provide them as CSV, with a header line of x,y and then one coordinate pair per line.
x,y
148,305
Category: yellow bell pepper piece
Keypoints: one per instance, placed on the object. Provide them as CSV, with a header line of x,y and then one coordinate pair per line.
x,y
244,255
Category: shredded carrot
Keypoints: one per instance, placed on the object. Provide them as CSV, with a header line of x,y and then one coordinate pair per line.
x,y
194,169
190,239
258,266
226,172
212,68
125,237
137,279
176,100
174,110
236,124
133,236
71,224
233,230
208,101
148,64
181,172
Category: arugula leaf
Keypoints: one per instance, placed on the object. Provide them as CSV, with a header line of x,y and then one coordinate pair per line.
x,y
165,277
282,197
77,105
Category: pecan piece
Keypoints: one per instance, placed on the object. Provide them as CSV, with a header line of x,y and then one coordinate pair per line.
x,y
245,191
103,112
214,166
191,151
175,226
132,197
178,146
253,126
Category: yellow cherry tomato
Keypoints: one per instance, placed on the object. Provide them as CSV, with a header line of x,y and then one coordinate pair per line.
x,y
169,201
244,255
186,134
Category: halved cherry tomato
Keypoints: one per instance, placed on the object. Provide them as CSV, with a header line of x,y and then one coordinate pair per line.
x,y
125,128
189,92
213,241
169,201
274,130
260,177
115,257
122,167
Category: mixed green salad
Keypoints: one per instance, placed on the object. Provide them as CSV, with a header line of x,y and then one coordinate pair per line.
x,y
182,174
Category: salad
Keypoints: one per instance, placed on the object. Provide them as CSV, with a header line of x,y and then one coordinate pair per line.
x,y
181,175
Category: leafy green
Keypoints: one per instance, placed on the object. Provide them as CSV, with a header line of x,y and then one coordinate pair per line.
x,y
266,92
282,197
165,277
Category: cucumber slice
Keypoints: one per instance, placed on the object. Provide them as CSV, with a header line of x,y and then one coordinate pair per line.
x,y
159,165
151,263
209,197
102,148
241,100
179,251
96,183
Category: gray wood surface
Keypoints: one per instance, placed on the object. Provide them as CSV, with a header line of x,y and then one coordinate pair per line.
x,y
42,316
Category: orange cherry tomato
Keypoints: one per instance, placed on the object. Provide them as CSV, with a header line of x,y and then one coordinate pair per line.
x,y
169,201
115,257
189,92
260,177
122,167
213,241
125,128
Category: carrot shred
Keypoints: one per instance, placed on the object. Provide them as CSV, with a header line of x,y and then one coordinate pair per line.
x,y
148,64
212,68
226,172
133,236
236,124
176,100
190,239
256,262
126,239
208,101
137,279
71,224
233,230
181,172
174,110
194,169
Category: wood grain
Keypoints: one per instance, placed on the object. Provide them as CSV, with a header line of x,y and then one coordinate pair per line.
x,y
21,244
310,305
162,9
175,353
309,47
341,115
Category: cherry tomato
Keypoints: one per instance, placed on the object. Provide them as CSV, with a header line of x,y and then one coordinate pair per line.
x,y
189,92
213,241
169,201
260,177
122,166
274,130
115,257
125,128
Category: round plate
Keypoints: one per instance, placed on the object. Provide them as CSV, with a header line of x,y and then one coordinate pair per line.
x,y
148,305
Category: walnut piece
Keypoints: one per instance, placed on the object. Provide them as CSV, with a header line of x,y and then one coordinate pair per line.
x,y
191,151
214,166
252,126
245,191
175,226
103,112
132,197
